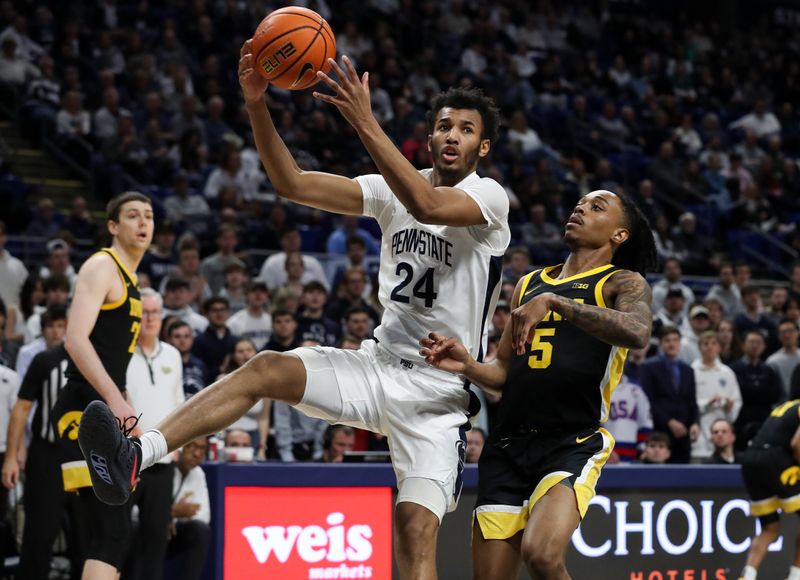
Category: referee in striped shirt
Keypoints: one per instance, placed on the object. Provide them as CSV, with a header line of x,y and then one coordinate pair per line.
x,y
45,500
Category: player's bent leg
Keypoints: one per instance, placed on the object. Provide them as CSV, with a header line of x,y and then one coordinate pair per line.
x,y
495,559
277,376
416,531
553,519
770,528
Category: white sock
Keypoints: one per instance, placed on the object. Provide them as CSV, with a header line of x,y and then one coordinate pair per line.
x,y
794,573
154,447
749,573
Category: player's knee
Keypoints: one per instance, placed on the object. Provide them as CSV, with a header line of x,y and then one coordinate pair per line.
x,y
416,536
770,527
542,556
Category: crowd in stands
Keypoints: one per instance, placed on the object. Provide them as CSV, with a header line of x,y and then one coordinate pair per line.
x,y
693,116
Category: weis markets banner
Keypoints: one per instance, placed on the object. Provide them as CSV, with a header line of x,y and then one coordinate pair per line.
x,y
308,533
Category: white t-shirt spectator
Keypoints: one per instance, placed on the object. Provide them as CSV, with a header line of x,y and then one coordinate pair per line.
x,y
711,381
256,328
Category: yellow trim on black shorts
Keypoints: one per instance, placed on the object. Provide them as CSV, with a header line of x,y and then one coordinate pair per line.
x,y
75,475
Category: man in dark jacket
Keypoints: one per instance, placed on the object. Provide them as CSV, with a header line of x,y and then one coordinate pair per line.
x,y
669,384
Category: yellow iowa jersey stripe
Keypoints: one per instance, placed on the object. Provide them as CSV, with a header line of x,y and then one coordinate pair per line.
x,y
121,301
584,485
616,364
525,281
553,282
121,264
76,475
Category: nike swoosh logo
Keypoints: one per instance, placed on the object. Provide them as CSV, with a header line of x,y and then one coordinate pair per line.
x,y
306,67
582,439
530,290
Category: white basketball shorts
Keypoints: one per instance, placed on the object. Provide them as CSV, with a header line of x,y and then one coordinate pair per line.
x,y
421,410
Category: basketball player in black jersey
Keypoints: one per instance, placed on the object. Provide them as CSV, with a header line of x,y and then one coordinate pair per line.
x,y
104,322
771,472
557,364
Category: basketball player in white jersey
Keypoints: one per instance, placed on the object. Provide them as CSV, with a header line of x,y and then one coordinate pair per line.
x,y
444,233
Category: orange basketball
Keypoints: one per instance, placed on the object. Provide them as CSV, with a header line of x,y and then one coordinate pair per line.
x,y
291,45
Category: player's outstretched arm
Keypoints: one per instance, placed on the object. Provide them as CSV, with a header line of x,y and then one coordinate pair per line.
x,y
448,206
94,283
628,323
312,188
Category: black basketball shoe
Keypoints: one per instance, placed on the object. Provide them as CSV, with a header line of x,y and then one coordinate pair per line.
x,y
114,458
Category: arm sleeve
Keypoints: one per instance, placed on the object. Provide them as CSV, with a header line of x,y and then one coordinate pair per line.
x,y
377,198
283,430
493,201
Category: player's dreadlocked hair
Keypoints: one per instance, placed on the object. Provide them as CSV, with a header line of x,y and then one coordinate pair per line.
x,y
637,253
459,98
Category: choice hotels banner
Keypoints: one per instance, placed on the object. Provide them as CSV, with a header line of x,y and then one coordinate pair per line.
x,y
308,532
673,535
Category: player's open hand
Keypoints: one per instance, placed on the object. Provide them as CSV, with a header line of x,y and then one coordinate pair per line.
x,y
352,93
444,353
524,320
253,84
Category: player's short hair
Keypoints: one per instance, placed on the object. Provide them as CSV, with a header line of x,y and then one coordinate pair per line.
x,y
460,98
115,205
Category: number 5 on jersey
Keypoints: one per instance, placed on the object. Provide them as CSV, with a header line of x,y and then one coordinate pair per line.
x,y
541,350
423,289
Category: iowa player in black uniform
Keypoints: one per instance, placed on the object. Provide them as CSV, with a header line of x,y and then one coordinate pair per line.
x,y
557,364
104,322
771,471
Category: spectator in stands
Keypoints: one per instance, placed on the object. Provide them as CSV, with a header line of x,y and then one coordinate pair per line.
x,y
238,438
718,395
160,260
760,386
106,118
760,121
273,271
672,279
79,222
284,332
692,249
476,437
253,321
786,359
72,121
235,286
647,202
189,531
523,139
256,421
739,179
337,241
213,267
59,262
8,346
699,322
671,314
294,274
778,298
56,291
216,128
670,387
312,324
356,253
14,69
13,272
753,318
43,95
154,387
516,264
665,171
730,345
657,449
297,436
751,154
189,269
47,222
195,371
662,233
743,274
177,300
351,294
216,342
630,420
357,322
337,440
232,176
542,238
185,207
727,292
500,318
723,438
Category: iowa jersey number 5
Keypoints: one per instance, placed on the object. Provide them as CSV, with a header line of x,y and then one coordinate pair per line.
x,y
423,289
541,350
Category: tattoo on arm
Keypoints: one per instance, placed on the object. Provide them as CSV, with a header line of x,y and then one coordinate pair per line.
x,y
627,324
